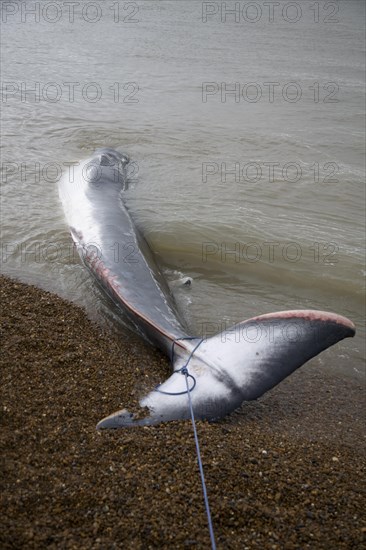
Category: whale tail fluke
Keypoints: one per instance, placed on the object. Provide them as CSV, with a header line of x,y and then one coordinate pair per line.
x,y
236,365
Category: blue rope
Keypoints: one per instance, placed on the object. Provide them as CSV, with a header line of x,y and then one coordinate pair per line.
x,y
208,513
184,370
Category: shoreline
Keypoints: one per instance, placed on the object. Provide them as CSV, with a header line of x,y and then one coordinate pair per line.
x,y
282,472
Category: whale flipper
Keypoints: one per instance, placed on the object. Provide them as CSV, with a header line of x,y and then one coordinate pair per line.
x,y
238,364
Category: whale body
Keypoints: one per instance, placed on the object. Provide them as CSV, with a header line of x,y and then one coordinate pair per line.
x,y
236,365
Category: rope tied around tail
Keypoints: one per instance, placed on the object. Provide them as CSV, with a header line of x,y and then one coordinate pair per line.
x,y
183,370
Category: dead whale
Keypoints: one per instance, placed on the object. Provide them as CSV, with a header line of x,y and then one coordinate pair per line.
x,y
237,365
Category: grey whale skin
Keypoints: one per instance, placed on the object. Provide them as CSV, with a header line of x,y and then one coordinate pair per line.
x,y
237,365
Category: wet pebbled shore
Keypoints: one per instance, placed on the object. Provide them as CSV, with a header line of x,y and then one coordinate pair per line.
x,y
287,471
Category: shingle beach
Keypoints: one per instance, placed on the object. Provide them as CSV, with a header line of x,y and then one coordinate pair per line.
x,y
285,472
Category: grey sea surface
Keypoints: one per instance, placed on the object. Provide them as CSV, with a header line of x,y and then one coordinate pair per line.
x,y
246,134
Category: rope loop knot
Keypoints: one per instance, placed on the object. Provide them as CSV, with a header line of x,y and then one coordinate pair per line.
x,y
183,370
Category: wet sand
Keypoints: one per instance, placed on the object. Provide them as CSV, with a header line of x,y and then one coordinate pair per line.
x,y
286,471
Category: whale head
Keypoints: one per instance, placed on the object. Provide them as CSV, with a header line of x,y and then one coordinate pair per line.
x,y
103,174
106,156
106,166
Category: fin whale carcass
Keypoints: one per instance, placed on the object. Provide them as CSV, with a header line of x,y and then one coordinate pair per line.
x,y
236,365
